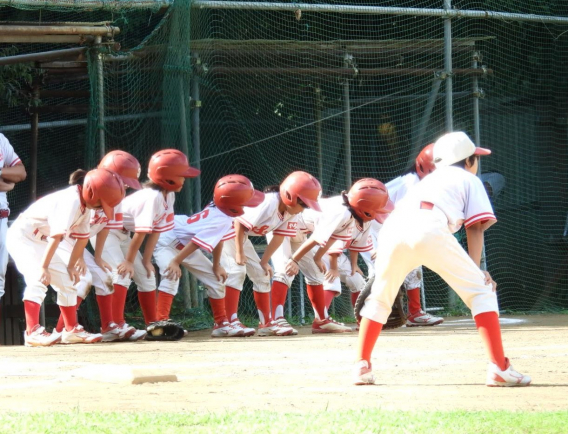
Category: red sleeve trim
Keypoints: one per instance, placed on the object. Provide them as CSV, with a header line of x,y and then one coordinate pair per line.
x,y
15,162
335,252
80,236
361,249
476,218
291,234
244,223
341,237
229,236
202,244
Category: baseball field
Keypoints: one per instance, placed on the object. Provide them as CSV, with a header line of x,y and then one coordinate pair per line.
x,y
429,380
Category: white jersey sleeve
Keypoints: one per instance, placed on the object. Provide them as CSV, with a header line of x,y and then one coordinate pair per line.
x,y
206,229
478,207
398,187
335,222
255,217
362,240
8,158
266,218
69,216
148,211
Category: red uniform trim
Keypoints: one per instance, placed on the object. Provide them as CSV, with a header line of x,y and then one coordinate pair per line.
x,y
202,244
479,217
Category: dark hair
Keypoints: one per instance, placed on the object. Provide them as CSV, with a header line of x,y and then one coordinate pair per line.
x,y
353,213
272,189
151,184
77,177
471,159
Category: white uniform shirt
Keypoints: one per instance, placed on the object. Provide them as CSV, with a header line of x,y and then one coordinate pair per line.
x,y
335,221
8,158
398,187
362,237
98,222
266,218
59,213
454,191
206,229
147,211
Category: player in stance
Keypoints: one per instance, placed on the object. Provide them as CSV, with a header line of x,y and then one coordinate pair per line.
x,y
99,273
276,214
398,188
419,232
206,230
145,214
341,215
33,240
11,171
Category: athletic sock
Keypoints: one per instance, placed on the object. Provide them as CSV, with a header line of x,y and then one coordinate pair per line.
x,y
61,321
414,304
262,300
118,303
278,295
354,297
218,309
317,298
165,301
328,297
490,331
369,332
69,314
148,304
105,310
31,310
232,296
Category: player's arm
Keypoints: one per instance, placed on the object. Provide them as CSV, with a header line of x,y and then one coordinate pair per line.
x,y
151,242
322,251
218,269
239,243
77,266
475,247
14,174
173,270
99,248
52,244
272,246
127,266
354,259
333,272
6,186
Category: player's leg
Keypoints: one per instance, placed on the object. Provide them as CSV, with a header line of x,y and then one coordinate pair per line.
x,y
235,281
147,289
462,274
3,254
416,316
355,282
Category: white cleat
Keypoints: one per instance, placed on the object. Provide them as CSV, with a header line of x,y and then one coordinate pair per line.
x,y
329,325
283,323
274,329
112,334
423,319
40,338
363,373
226,330
247,331
507,378
79,336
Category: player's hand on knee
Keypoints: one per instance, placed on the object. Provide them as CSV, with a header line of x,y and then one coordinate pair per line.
x,y
220,273
81,266
126,268
74,274
292,268
331,275
268,271
321,265
149,267
240,258
45,277
103,264
356,269
173,271
489,280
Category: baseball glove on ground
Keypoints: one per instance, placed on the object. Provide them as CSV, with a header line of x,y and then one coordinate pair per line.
x,y
165,330
396,319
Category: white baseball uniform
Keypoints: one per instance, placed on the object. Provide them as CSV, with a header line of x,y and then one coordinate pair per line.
x,y
413,236
205,229
259,221
144,211
59,213
8,158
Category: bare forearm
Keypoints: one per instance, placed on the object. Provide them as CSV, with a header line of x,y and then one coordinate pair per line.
x,y
134,246
217,252
239,236
323,250
151,242
272,246
52,245
16,173
78,250
475,243
100,244
353,257
308,245
185,252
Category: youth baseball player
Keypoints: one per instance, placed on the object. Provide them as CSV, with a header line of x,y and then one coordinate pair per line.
x,y
12,171
278,213
33,240
366,200
419,232
206,230
145,214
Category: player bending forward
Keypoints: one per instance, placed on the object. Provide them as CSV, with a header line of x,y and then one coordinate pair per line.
x,y
419,232
33,240
206,230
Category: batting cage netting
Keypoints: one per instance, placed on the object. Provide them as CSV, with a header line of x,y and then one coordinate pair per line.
x,y
340,89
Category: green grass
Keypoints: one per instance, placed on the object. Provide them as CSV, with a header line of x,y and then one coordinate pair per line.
x,y
359,422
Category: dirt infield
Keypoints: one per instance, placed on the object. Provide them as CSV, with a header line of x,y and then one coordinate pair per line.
x,y
440,368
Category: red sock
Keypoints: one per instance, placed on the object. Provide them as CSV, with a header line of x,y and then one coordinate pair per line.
x,y
278,293
329,296
316,296
232,296
31,310
262,300
165,301
61,321
354,297
369,332
218,309
69,314
148,304
414,304
490,331
118,303
105,310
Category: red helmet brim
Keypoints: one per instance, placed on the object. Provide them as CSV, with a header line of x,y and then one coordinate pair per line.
x,y
191,172
256,199
108,210
312,204
131,182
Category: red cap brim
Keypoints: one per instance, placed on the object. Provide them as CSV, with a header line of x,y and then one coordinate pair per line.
x,y
191,172
482,151
256,199
312,204
131,182
385,212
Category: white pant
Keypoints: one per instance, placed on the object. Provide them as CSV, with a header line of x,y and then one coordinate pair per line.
x,y
196,263
237,273
280,258
355,283
412,281
27,252
116,248
423,238
95,276
3,254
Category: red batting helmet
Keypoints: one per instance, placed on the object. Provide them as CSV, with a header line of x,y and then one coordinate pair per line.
x,y
124,165
425,161
167,165
105,186
303,186
369,199
232,192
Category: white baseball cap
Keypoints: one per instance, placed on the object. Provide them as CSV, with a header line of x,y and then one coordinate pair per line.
x,y
454,147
